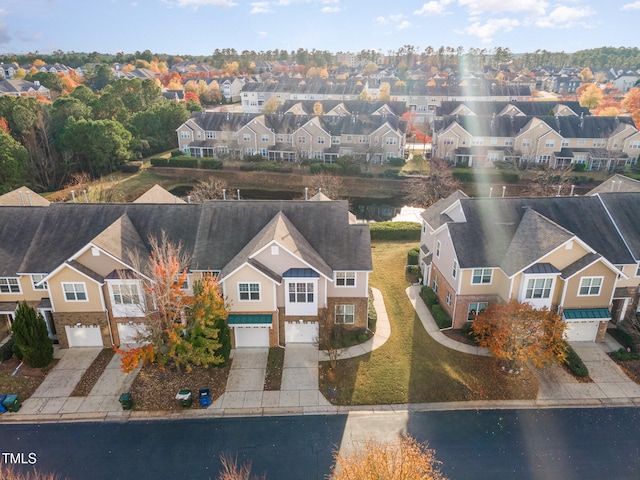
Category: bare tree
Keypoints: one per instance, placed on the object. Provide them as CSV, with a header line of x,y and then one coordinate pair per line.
x,y
548,182
330,185
210,189
425,190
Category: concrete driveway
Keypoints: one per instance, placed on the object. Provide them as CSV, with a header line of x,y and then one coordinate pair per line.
x,y
299,387
54,391
609,381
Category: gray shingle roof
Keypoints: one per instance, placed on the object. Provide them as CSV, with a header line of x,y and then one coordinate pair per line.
x,y
433,215
625,210
17,231
579,264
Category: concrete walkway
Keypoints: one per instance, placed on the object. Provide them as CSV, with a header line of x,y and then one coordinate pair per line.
x,y
432,328
381,335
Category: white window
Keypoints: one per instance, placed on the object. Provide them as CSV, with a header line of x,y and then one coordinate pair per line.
x,y
37,278
346,279
454,271
544,158
249,291
494,141
211,135
438,245
447,141
185,134
580,159
302,139
634,145
335,140
538,288
185,282
481,276
435,284
526,142
391,141
321,140
345,314
448,298
590,286
9,285
265,138
475,308
598,143
246,137
318,155
550,143
581,142
508,142
280,138
477,141
301,292
565,143
75,292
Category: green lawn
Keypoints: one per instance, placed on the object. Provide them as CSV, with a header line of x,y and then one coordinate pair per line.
x,y
411,367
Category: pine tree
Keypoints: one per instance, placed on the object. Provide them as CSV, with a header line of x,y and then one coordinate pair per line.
x,y
31,336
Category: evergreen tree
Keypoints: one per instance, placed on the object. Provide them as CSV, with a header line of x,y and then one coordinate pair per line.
x,y
31,336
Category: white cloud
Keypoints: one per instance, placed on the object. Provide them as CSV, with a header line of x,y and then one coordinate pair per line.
x,y
206,3
565,17
631,6
331,9
262,34
397,18
260,7
528,7
433,8
134,4
486,31
381,21
404,25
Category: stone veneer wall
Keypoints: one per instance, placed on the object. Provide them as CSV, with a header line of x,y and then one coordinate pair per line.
x,y
85,318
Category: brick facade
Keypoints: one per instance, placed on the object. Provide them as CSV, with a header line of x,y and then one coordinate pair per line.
x,y
61,319
462,307
443,289
602,331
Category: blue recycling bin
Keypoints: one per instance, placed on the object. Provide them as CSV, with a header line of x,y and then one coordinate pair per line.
x,y
205,397
2,399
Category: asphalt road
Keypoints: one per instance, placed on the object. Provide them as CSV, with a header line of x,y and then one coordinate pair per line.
x,y
499,444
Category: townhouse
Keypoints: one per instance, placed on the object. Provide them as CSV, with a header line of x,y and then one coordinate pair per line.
x,y
291,137
23,88
578,256
561,140
290,270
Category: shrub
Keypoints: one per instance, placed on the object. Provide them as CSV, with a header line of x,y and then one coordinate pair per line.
x,y
211,164
440,316
412,256
372,314
183,162
176,153
579,167
624,338
253,158
6,350
575,364
467,331
224,337
391,173
31,336
622,355
160,162
429,297
349,165
130,167
396,162
509,177
395,231
413,270
334,168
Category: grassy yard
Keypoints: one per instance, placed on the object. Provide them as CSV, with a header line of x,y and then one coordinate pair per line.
x,y
411,367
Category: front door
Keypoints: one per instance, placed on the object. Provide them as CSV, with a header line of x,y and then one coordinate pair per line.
x,y
51,326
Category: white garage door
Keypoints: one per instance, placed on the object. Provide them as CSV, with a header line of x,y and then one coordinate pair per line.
x,y
84,336
129,332
251,336
301,332
581,331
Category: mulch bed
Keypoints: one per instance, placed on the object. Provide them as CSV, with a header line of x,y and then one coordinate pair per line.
x,y
92,374
26,381
631,368
458,336
275,362
155,389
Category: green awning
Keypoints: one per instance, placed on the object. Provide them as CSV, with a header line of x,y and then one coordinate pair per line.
x,y
587,314
249,319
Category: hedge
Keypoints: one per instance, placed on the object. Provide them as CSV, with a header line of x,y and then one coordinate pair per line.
x,y
334,168
390,173
395,231
624,338
210,164
396,162
440,316
575,364
130,167
265,167
429,297
623,355
467,176
160,162
176,153
412,256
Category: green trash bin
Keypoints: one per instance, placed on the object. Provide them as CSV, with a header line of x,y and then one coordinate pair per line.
x,y
184,397
11,403
126,401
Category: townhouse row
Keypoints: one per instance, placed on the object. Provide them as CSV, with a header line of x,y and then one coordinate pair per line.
x,y
578,256
290,270
379,136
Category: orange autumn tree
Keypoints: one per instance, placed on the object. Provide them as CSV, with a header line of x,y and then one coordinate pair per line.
x,y
165,273
518,333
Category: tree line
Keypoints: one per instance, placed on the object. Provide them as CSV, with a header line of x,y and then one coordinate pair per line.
x,y
43,144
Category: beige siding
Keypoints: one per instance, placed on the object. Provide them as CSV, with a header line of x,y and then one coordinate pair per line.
x,y
598,269
248,274
499,284
360,289
94,293
26,291
101,263
281,262
563,257
629,271
447,256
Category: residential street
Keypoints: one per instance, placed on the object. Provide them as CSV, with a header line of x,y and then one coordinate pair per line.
x,y
520,444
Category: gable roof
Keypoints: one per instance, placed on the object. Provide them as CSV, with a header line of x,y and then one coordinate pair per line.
x,y
23,196
122,240
615,183
624,209
434,216
14,241
157,194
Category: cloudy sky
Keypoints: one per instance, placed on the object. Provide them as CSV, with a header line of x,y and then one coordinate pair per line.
x,y
199,26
